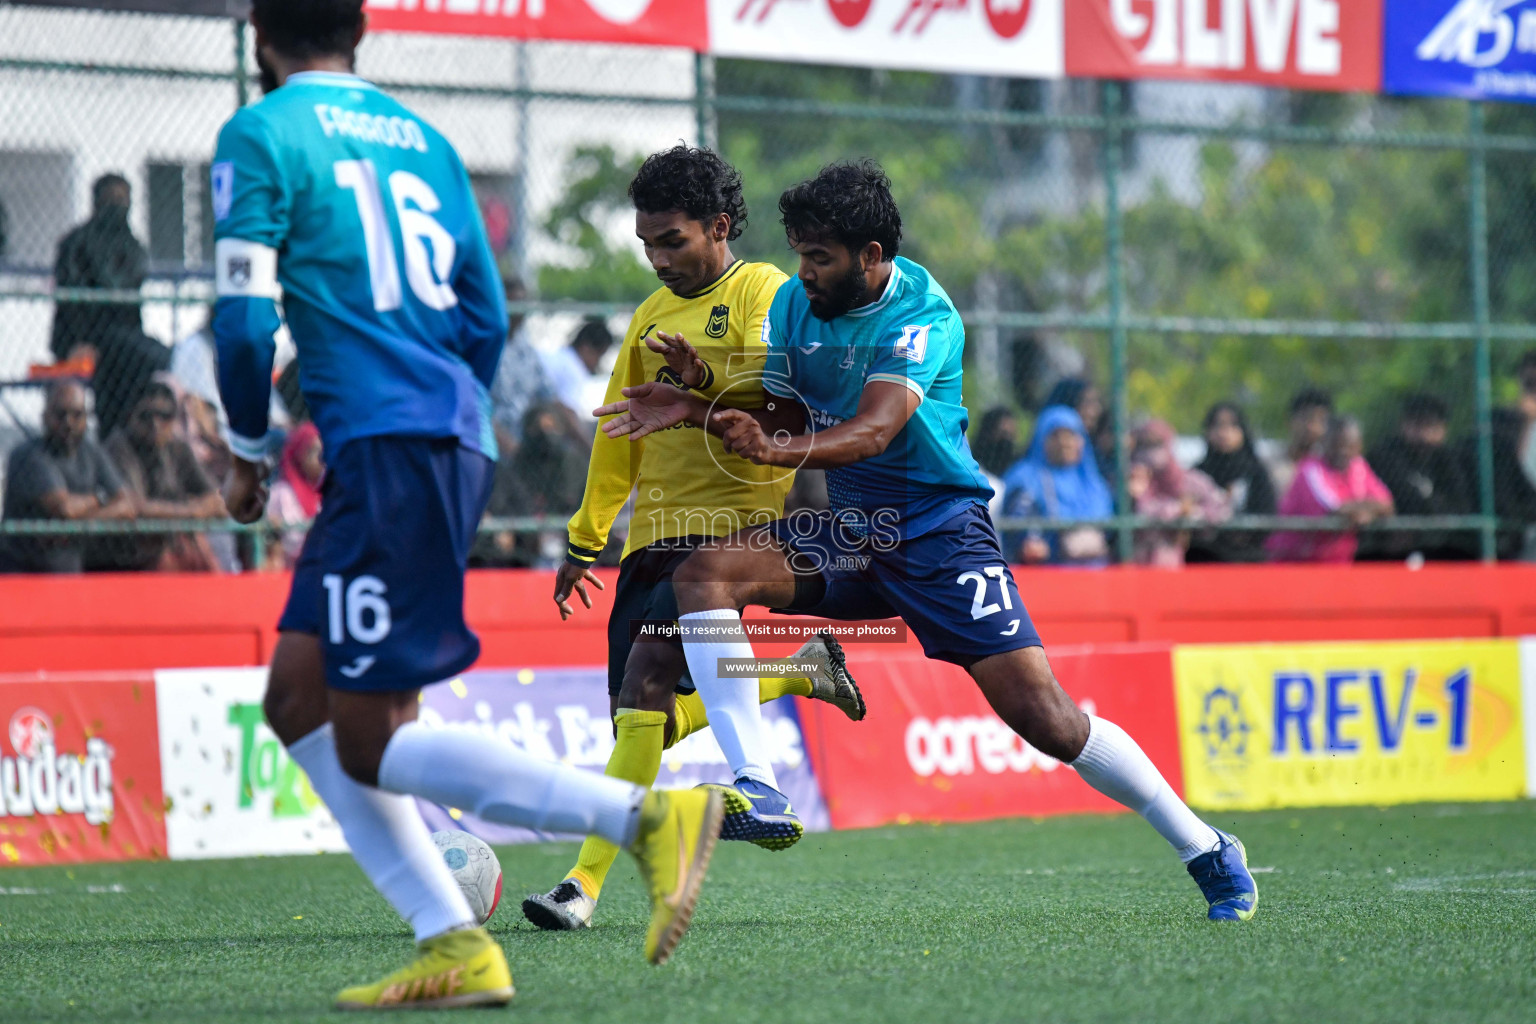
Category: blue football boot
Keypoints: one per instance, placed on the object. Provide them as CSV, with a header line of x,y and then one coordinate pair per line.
x,y
1223,876
758,813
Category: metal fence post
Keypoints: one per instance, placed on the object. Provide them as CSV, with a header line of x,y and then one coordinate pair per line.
x,y
522,108
242,84
704,100
1114,153
1478,227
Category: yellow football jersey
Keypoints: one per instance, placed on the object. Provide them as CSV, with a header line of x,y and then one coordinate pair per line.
x,y
687,483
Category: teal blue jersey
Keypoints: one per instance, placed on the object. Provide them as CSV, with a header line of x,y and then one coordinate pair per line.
x,y
911,336
364,217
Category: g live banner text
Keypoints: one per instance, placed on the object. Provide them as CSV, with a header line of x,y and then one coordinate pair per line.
x,y
1298,44
1297,725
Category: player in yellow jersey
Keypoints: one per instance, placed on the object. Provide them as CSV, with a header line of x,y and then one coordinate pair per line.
x,y
688,209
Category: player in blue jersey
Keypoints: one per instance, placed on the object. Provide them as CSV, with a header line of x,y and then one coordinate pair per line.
x,y
865,358
360,217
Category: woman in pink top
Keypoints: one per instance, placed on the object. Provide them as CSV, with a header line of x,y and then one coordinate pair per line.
x,y
1337,483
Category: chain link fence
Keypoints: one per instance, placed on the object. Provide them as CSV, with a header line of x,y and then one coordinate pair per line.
x,y
1142,252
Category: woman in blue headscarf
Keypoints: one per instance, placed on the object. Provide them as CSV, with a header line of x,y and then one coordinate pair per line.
x,y
1058,478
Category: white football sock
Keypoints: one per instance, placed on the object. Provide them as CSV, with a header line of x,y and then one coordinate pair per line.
x,y
496,781
1112,763
389,841
732,704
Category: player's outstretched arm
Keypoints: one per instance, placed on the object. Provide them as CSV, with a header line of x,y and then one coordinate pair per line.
x,y
884,409
650,407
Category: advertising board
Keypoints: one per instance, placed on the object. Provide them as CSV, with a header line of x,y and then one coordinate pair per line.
x,y
1299,44
80,770
1298,725
1478,49
931,749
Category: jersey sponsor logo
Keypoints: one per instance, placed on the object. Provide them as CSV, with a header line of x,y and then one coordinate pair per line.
x,y
667,375
223,175
719,322
913,343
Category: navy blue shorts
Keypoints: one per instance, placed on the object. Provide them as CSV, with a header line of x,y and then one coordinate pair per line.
x,y
951,586
381,578
644,593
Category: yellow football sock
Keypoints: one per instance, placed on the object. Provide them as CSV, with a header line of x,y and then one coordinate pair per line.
x,y
773,689
636,758
690,716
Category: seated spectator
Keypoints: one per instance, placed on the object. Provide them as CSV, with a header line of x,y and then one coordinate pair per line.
x,y
1164,490
1233,465
61,475
521,381
164,481
995,446
546,477
295,494
1527,407
572,370
1058,478
1514,496
1426,478
1338,483
1082,397
1310,411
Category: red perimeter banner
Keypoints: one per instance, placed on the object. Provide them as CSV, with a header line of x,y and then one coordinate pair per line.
x,y
1299,44
652,22
80,770
931,749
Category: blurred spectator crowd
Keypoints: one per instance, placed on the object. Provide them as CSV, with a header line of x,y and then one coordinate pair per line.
x,y
133,432
163,456
1322,469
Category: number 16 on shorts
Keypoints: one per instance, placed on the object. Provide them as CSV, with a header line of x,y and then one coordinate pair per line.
x,y
358,609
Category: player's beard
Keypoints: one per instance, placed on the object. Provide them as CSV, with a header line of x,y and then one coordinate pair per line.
x,y
846,292
268,74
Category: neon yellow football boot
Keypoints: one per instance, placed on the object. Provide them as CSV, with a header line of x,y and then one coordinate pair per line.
x,y
459,968
678,829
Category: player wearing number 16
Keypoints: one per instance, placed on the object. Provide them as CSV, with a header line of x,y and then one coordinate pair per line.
x,y
359,217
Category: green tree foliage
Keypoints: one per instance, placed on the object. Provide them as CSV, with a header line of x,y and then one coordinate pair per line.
x,y
583,221
1277,232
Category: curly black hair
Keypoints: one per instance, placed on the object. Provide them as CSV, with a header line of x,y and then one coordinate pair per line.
x,y
695,181
848,203
309,28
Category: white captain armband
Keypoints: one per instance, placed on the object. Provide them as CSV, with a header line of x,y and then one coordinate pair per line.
x,y
245,269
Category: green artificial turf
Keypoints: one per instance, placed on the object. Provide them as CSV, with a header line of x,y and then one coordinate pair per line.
x,y
1423,913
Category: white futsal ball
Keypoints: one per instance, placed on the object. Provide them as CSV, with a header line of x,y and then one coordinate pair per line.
x,y
475,868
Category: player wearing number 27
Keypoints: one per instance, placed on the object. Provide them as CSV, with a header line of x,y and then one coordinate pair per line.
x,y
864,370
359,216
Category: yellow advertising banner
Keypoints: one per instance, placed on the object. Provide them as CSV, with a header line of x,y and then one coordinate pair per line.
x,y
1298,725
